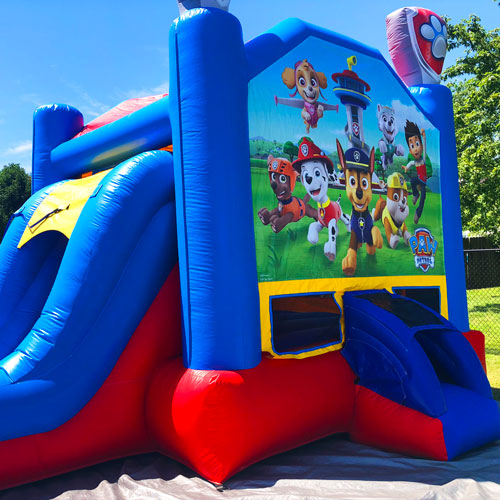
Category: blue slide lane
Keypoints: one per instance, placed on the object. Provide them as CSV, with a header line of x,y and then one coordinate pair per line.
x,y
68,308
408,353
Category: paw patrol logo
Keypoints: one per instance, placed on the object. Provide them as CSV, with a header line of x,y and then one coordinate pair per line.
x,y
274,165
424,246
355,129
304,149
357,156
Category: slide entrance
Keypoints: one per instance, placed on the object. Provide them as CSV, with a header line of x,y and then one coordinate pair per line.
x,y
411,355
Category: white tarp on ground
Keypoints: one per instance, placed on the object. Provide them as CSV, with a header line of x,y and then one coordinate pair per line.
x,y
333,468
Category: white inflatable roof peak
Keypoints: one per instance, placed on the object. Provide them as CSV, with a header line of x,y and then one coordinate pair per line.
x,y
185,5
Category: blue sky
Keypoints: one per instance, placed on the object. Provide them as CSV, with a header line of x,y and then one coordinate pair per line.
x,y
95,54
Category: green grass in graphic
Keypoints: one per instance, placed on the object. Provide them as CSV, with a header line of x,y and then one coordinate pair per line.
x,y
301,260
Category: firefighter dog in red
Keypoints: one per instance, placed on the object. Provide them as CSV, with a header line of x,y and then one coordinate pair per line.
x,y
316,171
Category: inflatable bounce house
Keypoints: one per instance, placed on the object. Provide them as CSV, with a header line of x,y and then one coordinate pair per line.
x,y
266,256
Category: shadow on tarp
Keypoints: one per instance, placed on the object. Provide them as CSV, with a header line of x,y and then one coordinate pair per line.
x,y
319,465
336,458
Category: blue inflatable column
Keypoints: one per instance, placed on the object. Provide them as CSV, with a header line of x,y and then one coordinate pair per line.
x,y
438,103
209,117
52,125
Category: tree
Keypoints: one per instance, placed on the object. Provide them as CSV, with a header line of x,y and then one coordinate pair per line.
x,y
475,82
15,189
290,149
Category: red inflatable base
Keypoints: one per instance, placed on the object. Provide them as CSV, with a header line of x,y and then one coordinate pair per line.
x,y
216,422
476,340
384,424
112,424
219,422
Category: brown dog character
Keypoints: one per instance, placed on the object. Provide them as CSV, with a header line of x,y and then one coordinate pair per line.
x,y
283,177
308,83
358,170
394,211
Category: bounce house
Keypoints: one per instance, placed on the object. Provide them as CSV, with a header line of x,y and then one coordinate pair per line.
x,y
269,255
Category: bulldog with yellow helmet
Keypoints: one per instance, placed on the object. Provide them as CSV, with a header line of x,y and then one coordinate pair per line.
x,y
394,210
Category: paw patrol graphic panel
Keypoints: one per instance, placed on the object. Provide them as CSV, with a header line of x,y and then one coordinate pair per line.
x,y
346,185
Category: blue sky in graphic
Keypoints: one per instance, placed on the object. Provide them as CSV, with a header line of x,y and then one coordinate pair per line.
x,y
283,123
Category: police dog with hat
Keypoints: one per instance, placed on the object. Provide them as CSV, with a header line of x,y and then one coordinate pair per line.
x,y
282,177
315,170
358,170
394,211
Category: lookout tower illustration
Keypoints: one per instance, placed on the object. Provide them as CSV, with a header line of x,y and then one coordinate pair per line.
x,y
351,91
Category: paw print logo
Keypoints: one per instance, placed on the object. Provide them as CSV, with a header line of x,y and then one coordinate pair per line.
x,y
435,32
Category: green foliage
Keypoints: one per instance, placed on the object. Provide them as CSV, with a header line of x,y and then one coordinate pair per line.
x,y
275,261
475,82
290,149
484,315
398,162
262,148
258,163
292,234
15,189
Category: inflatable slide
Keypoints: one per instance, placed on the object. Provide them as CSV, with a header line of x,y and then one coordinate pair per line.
x,y
405,352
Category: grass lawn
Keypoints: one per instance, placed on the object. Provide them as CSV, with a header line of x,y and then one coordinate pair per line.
x,y
484,315
493,367
288,255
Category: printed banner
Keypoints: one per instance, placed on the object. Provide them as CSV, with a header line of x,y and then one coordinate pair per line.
x,y
345,170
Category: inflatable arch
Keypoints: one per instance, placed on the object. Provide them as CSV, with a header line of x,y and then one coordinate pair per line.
x,y
248,264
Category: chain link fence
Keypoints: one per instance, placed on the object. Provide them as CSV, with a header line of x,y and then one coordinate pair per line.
x,y
482,274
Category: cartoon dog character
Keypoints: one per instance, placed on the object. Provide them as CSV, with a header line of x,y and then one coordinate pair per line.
x,y
308,83
315,170
282,177
394,211
387,125
358,169
419,168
